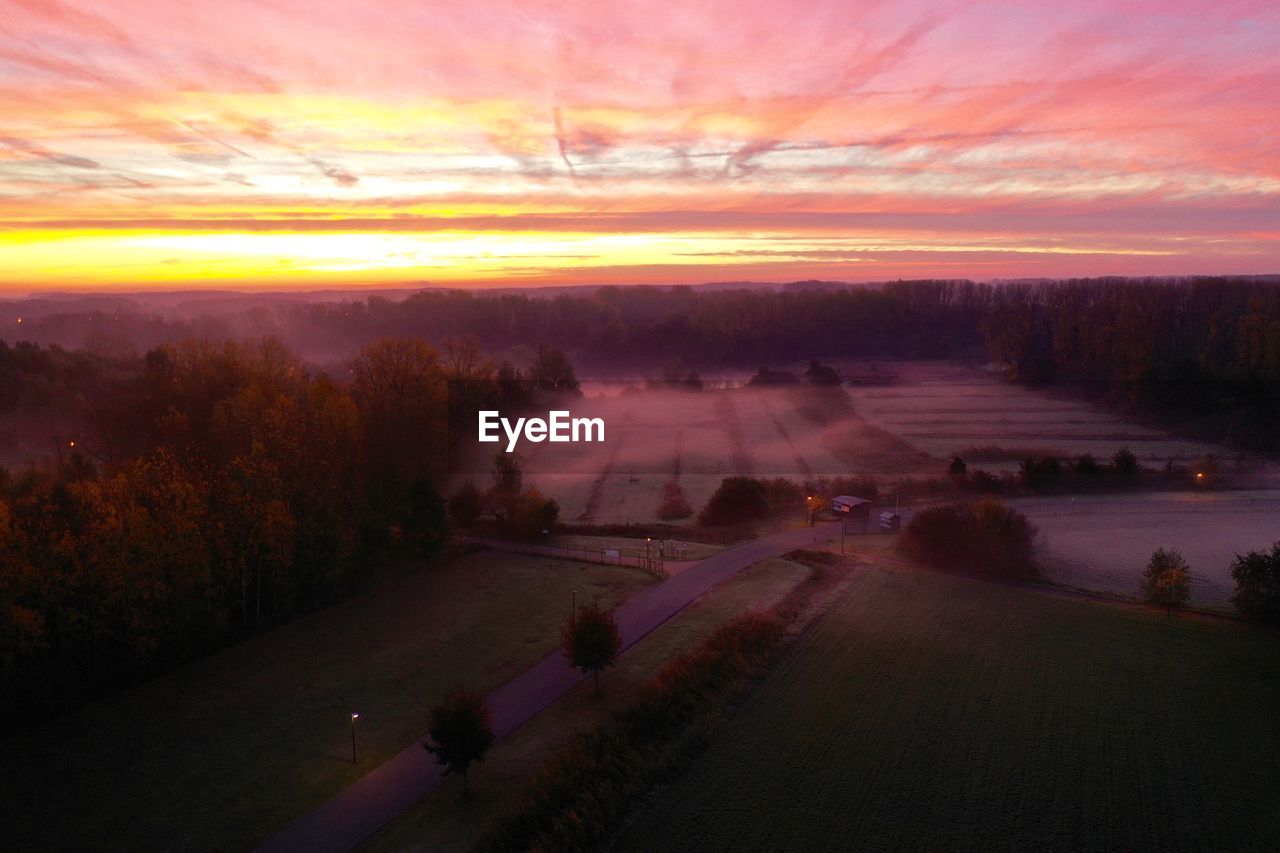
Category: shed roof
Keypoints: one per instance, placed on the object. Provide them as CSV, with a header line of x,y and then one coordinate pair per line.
x,y
850,499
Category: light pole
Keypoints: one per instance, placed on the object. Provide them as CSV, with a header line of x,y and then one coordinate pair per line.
x,y
573,610
354,716
647,543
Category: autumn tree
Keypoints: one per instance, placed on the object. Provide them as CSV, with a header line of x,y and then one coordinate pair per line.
x,y
460,732
1167,580
592,641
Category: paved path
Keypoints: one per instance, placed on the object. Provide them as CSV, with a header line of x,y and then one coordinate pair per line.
x,y
378,797
586,555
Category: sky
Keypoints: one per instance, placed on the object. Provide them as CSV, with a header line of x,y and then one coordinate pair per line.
x,y
276,143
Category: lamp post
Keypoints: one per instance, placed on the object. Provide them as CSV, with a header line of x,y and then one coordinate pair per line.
x,y
1199,483
354,716
647,543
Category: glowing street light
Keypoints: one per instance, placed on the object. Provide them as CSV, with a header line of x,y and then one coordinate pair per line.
x,y
355,715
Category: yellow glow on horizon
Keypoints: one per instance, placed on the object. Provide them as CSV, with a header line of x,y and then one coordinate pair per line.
x,y
105,257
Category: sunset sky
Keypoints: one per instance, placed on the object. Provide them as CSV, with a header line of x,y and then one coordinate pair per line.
x,y
277,143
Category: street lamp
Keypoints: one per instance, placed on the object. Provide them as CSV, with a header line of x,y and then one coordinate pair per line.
x,y
354,716
647,543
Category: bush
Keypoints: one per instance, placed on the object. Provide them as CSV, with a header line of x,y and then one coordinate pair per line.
x,y
1167,579
674,505
1257,577
737,499
984,538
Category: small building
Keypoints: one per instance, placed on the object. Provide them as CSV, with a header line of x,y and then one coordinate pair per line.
x,y
890,521
850,506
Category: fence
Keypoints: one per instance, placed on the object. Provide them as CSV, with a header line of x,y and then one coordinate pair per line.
x,y
605,556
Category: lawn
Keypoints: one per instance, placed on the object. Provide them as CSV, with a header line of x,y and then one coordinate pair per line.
x,y
222,753
1209,540
931,712
445,821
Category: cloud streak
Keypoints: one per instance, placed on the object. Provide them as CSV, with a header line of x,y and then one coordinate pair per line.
x,y
1033,129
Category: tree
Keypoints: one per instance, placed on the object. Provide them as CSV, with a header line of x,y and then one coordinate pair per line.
x,y
737,499
1167,580
530,513
957,470
460,732
553,372
592,641
1257,577
1124,462
466,504
983,538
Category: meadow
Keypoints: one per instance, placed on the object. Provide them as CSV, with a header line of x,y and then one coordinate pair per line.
x,y
948,409
926,711
1104,543
220,754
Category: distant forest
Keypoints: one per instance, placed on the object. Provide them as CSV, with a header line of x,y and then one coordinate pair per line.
x,y
1202,354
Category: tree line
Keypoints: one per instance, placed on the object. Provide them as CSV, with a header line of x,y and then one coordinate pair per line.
x,y
220,487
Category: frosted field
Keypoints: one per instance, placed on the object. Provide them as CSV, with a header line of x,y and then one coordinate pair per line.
x,y
908,428
1103,543
946,409
705,436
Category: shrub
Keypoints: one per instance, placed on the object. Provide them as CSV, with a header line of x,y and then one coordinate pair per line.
x,y
460,732
1257,577
737,499
1167,579
983,538
674,505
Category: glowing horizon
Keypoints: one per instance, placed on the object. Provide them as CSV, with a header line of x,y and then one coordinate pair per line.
x,y
346,144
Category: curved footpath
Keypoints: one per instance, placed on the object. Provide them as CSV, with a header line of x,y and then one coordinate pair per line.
x,y
375,799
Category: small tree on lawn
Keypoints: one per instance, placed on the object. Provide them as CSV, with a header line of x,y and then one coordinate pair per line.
x,y
460,733
1167,579
592,641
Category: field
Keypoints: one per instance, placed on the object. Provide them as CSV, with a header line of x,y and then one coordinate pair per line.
x,y
931,712
697,439
443,821
1103,543
220,754
949,409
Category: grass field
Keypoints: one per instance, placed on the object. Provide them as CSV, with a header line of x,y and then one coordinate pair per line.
x,y
443,821
929,712
224,752
1073,552
946,409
